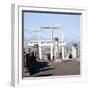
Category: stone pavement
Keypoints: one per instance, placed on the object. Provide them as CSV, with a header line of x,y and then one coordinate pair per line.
x,y
58,69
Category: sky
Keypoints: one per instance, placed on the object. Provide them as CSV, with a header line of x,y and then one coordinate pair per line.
x,y
70,24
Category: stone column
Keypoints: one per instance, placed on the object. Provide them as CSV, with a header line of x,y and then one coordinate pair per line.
x,y
40,52
74,52
56,48
51,51
62,52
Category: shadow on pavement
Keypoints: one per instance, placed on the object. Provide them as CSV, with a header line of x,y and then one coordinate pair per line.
x,y
33,65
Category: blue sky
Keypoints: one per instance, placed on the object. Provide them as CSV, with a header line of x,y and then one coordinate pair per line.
x,y
69,22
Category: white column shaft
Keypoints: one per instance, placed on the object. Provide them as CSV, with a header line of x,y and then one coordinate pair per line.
x,y
51,52
63,53
40,52
74,52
